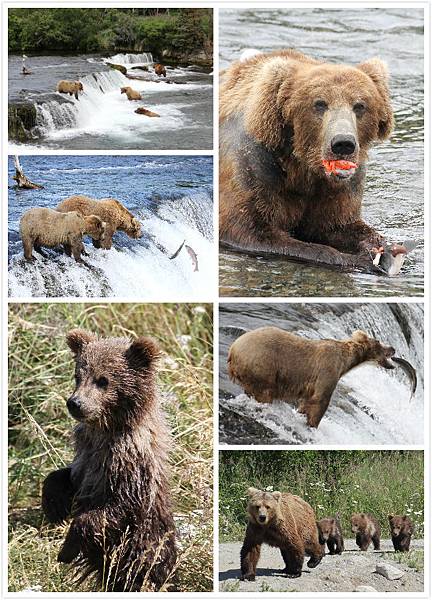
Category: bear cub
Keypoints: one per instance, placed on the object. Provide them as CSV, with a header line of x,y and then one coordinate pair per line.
x,y
401,530
367,530
116,489
330,533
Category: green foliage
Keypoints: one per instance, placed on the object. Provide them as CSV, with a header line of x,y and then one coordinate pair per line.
x,y
41,379
100,30
379,482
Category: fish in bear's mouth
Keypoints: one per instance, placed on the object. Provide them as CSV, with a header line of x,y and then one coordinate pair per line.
x,y
341,169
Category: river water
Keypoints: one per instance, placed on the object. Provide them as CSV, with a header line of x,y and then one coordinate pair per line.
x,y
172,196
394,196
370,405
103,118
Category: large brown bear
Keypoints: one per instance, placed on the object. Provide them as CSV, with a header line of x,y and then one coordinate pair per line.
x,y
70,87
44,227
367,530
116,489
130,93
401,530
116,216
159,69
330,533
283,118
283,521
273,364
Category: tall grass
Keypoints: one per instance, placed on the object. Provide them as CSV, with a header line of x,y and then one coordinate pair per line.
x,y
379,482
41,378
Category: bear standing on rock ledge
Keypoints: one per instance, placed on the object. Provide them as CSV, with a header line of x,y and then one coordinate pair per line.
x,y
283,521
294,137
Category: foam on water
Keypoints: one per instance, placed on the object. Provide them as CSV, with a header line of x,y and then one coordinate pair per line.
x,y
142,58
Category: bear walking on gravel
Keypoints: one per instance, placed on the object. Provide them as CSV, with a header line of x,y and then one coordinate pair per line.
x,y
285,119
70,87
273,364
130,93
116,489
330,533
284,521
49,228
111,211
367,530
401,530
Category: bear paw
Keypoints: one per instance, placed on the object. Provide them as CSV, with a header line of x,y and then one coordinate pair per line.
x,y
314,562
293,575
247,577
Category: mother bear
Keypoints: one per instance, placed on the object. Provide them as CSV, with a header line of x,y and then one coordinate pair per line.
x,y
284,119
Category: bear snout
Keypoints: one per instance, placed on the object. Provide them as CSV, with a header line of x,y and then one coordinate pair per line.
x,y
74,407
262,518
343,145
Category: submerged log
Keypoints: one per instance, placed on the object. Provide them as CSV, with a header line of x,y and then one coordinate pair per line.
x,y
21,179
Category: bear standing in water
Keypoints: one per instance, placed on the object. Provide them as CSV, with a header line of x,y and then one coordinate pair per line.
x,y
284,521
116,489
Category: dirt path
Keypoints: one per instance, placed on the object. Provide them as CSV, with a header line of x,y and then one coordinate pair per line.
x,y
342,573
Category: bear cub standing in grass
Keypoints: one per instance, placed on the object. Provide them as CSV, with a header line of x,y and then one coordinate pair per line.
x,y
330,533
401,530
284,521
367,530
116,489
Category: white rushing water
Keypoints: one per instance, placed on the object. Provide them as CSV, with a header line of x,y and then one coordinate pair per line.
x,y
140,58
370,405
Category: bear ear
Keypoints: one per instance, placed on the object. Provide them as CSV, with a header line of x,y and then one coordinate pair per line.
x,y
377,70
252,491
359,336
332,521
142,353
390,517
277,496
77,338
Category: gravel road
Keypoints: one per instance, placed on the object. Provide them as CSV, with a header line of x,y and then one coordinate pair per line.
x,y
338,573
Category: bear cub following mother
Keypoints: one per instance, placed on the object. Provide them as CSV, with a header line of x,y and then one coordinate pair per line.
x,y
284,521
116,489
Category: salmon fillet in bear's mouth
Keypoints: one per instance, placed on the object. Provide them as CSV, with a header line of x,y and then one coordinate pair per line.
x,y
342,168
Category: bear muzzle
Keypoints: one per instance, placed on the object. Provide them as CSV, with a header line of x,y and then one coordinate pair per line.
x,y
74,407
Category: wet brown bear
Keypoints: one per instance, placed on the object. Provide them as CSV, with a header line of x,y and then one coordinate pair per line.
x,y
401,530
159,70
272,364
70,87
284,521
367,530
330,533
130,93
116,216
44,227
281,115
116,488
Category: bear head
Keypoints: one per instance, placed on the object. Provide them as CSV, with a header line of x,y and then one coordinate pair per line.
x,y
374,350
263,507
316,111
95,227
79,85
399,524
359,522
326,529
114,380
125,90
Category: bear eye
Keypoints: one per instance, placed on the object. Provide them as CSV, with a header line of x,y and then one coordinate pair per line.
x,y
102,382
359,108
320,106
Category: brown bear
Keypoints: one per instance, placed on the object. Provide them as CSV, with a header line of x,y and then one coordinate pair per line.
x,y
272,364
286,120
401,530
284,521
367,530
70,87
145,111
330,533
130,93
49,228
159,70
116,489
116,216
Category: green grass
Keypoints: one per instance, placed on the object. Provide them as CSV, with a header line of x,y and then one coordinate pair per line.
x,y
379,482
413,559
41,379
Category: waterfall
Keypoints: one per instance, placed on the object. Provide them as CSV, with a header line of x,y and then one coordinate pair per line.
x,y
143,58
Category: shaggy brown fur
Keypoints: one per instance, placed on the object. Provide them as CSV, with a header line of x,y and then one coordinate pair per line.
x,y
367,530
330,533
116,488
130,93
159,70
145,111
70,87
272,364
279,114
49,228
116,216
283,521
401,530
